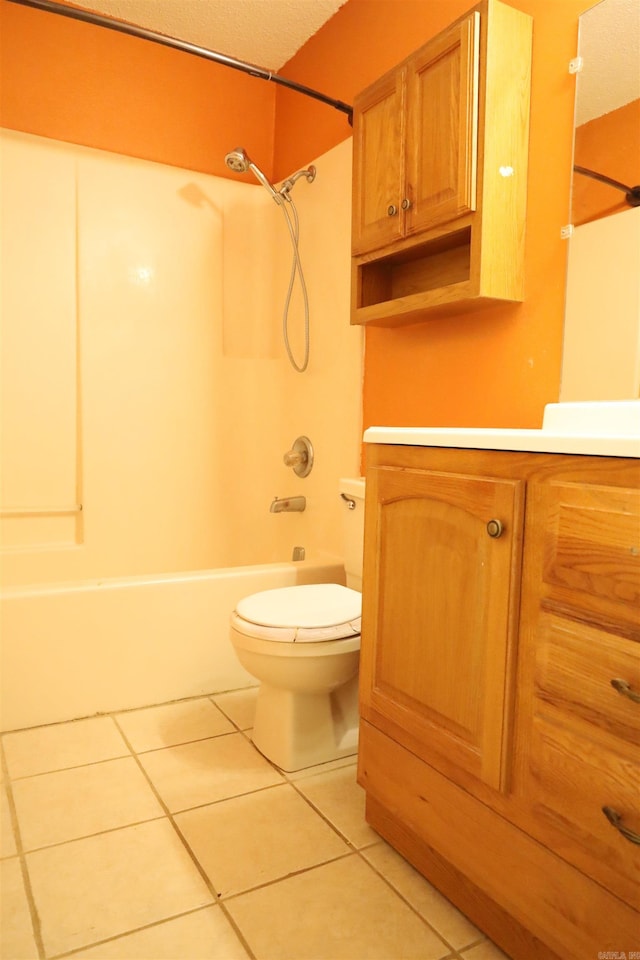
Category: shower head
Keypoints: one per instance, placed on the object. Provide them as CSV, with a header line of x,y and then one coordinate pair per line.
x,y
238,161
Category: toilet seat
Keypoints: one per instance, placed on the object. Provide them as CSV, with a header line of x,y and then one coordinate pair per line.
x,y
304,614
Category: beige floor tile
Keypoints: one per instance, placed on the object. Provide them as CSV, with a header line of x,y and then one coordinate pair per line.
x,y
251,840
337,795
484,951
104,886
338,911
203,935
452,925
198,773
239,706
173,723
69,804
16,933
7,839
63,745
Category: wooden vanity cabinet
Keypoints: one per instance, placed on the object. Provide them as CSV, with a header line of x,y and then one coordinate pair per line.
x,y
491,734
438,207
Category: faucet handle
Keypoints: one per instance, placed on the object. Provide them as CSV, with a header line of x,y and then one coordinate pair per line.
x,y
292,458
300,457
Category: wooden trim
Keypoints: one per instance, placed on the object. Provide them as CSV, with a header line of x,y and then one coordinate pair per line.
x,y
484,912
535,887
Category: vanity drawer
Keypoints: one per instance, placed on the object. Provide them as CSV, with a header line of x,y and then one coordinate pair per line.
x,y
571,778
591,555
574,668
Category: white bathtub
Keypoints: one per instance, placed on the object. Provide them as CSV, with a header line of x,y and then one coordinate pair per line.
x,y
76,649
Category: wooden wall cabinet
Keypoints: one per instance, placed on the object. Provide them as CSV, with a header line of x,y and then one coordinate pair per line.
x,y
438,207
492,736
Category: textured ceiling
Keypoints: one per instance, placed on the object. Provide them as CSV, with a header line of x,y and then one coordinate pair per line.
x,y
266,33
269,32
610,47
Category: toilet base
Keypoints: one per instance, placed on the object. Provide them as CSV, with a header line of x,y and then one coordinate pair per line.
x,y
298,730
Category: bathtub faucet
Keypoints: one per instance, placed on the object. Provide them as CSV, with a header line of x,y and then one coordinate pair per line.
x,y
288,504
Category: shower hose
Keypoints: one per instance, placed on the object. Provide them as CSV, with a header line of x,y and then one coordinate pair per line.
x,y
296,267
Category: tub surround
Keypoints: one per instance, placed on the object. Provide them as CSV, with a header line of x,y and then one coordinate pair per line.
x,y
116,244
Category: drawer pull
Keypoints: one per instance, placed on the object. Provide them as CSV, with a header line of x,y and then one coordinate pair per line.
x,y
625,689
615,819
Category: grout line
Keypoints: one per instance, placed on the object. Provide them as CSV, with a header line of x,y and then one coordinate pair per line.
x,y
185,743
453,950
287,876
90,836
235,796
238,932
118,936
192,856
26,879
463,952
322,816
76,766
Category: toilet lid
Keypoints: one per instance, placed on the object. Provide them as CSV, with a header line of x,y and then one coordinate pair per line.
x,y
312,612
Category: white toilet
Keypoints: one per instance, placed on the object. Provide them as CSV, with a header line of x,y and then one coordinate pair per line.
x,y
303,644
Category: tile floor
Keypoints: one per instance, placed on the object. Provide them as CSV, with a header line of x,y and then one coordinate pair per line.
x,y
162,834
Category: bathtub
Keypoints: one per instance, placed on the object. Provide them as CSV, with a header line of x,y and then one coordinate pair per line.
x,y
72,650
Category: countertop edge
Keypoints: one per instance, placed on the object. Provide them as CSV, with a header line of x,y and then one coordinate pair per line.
x,y
530,441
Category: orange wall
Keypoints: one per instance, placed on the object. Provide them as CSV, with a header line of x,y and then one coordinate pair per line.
x,y
609,145
498,367
84,84
88,85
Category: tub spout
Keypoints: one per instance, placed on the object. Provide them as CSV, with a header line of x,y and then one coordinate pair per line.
x,y
288,505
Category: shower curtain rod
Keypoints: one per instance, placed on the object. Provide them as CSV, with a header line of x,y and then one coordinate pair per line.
x,y
87,16
632,193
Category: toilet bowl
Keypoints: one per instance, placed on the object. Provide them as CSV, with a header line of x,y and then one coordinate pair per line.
x,y
303,644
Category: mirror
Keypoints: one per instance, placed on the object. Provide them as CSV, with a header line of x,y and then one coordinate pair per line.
x,y
601,353
607,113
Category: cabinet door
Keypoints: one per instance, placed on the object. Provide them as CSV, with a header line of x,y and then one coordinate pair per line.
x,y
440,602
442,127
378,162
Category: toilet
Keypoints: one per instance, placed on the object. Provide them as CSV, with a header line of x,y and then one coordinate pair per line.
x,y
303,644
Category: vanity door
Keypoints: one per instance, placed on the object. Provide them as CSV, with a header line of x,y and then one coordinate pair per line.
x,y
440,600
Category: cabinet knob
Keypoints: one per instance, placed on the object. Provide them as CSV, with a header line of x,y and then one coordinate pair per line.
x,y
615,820
494,529
392,210
406,203
625,689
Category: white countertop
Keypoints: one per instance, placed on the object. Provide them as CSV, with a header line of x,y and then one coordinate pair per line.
x,y
605,429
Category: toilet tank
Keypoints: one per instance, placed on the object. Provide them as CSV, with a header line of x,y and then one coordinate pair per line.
x,y
352,529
